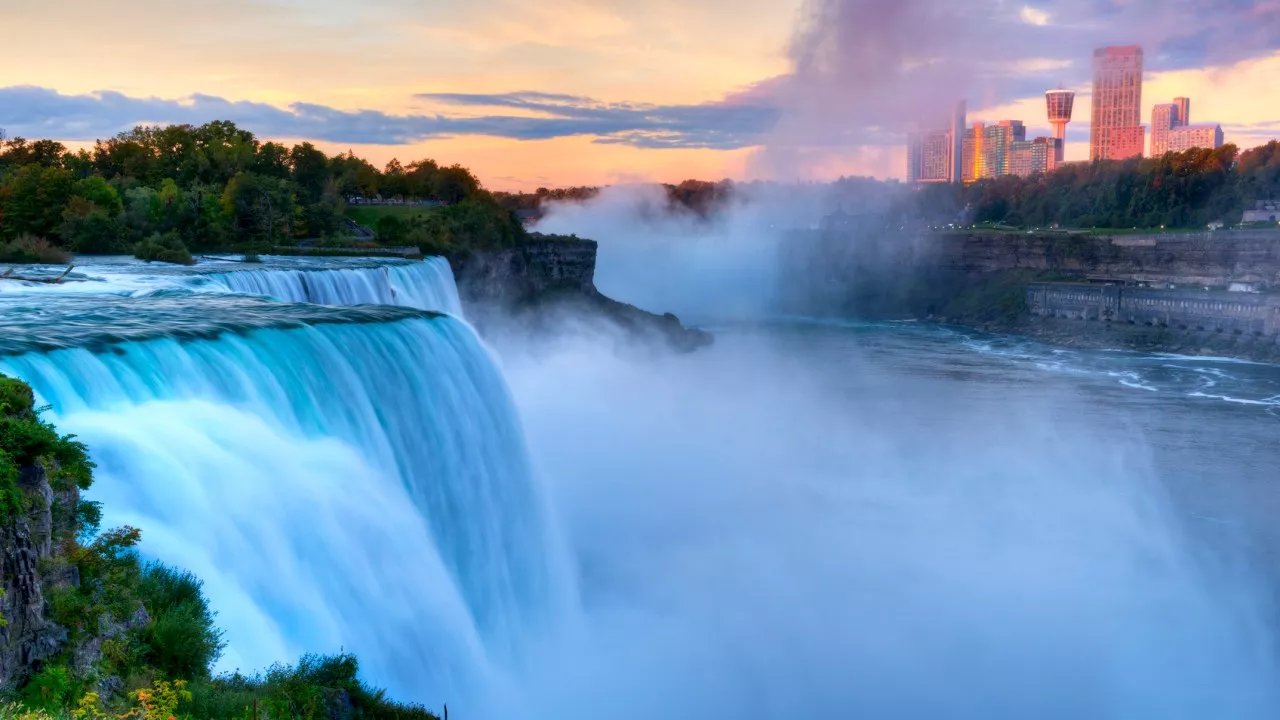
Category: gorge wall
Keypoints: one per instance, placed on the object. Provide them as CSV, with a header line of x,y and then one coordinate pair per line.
x,y
1174,286
1213,259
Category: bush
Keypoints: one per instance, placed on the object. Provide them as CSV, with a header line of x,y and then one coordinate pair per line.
x,y
182,637
33,250
15,396
164,248
317,687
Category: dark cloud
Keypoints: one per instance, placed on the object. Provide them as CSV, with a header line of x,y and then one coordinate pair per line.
x,y
41,112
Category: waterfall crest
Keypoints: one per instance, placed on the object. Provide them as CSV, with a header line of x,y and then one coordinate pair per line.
x,y
426,285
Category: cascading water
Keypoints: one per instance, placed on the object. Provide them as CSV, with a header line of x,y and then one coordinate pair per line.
x,y
339,477
427,285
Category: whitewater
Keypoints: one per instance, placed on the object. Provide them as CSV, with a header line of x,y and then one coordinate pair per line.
x,y
805,520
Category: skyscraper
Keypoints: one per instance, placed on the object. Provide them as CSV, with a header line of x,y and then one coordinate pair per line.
x,y
1184,111
1060,103
1164,117
1117,132
936,156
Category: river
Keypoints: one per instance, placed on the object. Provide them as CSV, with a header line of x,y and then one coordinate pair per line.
x,y
811,519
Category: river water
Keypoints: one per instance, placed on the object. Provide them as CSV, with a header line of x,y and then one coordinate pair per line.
x,y
808,519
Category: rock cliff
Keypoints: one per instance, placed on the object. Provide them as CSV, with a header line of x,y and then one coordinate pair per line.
x,y
27,545
548,282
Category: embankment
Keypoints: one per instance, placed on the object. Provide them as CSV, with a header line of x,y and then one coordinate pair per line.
x,y
540,284
1156,292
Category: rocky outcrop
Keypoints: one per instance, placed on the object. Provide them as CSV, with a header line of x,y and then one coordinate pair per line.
x,y
544,284
27,548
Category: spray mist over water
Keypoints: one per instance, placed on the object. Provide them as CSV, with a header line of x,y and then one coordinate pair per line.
x,y
665,258
803,523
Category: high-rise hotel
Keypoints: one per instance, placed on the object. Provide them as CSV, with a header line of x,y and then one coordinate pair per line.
x,y
934,156
1117,132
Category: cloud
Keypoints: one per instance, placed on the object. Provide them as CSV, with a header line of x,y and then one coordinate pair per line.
x,y
1033,16
42,112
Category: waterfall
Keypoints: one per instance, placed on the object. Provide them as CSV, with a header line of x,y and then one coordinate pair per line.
x,y
427,285
357,485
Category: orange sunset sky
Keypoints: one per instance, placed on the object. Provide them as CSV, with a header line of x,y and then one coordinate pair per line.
x,y
565,92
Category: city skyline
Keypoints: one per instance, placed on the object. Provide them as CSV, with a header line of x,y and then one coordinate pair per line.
x,y
570,92
995,149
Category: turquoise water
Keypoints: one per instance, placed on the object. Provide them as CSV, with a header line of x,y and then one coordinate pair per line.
x,y
341,477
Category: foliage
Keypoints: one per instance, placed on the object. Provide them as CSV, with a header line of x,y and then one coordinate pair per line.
x,y
182,639
31,249
1180,190
1000,298
699,196
26,439
317,687
216,187
51,688
164,248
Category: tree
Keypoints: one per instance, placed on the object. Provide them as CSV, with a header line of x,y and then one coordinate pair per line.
x,y
259,211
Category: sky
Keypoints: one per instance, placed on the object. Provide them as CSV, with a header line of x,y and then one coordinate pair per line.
x,y
568,92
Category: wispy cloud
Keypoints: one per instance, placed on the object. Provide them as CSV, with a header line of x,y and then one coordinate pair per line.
x,y
42,112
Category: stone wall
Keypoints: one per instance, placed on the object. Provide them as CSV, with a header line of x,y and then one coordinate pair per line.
x,y
1251,314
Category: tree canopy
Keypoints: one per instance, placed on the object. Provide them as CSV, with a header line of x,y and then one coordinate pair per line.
x,y
217,187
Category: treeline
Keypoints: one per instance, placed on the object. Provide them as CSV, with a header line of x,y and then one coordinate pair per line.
x,y
700,196
167,190
1180,190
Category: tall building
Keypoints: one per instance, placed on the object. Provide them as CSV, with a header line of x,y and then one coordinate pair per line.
x,y
1060,103
1034,157
992,151
1184,110
1117,132
936,156
1166,117
1195,136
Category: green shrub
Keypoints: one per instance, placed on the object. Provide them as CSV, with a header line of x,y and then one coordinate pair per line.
x,y
33,250
310,690
15,396
164,248
52,688
182,638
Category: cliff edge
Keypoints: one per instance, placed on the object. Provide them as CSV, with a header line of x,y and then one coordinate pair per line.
x,y
543,283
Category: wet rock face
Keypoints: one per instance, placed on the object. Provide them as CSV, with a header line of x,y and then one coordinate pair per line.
x,y
526,273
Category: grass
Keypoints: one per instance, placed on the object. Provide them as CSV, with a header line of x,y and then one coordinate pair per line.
x,y
369,215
